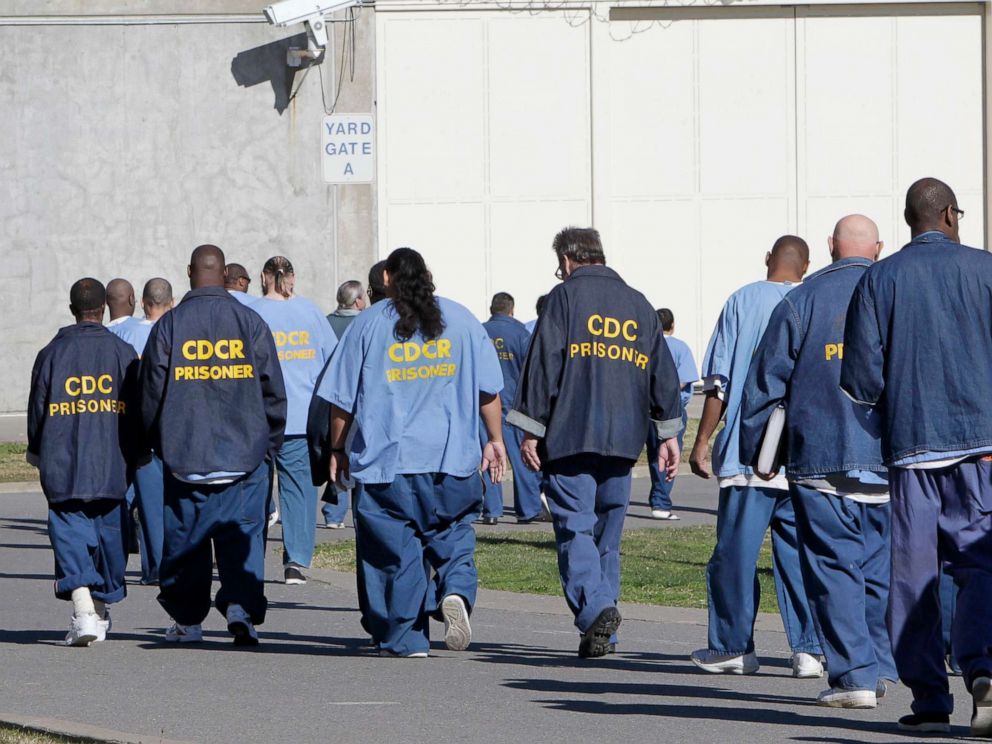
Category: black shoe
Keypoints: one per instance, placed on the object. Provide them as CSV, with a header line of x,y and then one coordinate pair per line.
x,y
981,709
926,723
293,575
490,521
596,641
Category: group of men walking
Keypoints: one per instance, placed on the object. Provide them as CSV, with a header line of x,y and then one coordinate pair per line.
x,y
879,369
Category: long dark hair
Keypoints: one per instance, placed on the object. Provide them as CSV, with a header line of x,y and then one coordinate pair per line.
x,y
412,291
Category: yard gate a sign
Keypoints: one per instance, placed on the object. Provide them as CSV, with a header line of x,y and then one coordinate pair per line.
x,y
348,145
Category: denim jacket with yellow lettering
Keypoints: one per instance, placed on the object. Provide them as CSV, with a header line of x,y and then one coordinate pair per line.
x,y
82,414
598,371
212,392
798,363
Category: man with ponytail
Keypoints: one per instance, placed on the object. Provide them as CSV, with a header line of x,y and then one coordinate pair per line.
x,y
597,374
406,387
304,342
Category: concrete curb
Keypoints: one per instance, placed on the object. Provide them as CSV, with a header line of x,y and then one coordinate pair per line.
x,y
540,604
21,487
58,727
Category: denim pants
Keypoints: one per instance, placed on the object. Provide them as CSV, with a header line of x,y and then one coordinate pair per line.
x,y
148,484
334,513
231,516
940,517
405,530
743,515
588,497
844,554
492,493
661,489
297,502
526,483
89,539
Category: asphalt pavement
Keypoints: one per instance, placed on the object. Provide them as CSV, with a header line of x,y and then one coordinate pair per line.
x,y
314,677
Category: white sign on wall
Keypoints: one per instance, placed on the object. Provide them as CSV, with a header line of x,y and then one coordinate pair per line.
x,y
348,144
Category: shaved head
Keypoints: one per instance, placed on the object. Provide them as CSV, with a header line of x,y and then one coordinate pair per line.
x,y
788,259
156,299
206,267
931,205
855,236
237,277
87,298
120,298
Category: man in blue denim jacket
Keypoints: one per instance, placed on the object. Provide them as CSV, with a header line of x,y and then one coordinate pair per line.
x,y
918,346
834,467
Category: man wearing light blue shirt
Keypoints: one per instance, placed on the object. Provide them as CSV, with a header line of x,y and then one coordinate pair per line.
x,y
237,281
748,504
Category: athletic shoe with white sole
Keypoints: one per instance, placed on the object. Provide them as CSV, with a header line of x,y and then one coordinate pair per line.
x,y
806,666
664,514
178,633
294,576
457,630
717,662
274,519
386,654
981,696
837,697
926,723
334,525
103,625
83,629
240,626
596,641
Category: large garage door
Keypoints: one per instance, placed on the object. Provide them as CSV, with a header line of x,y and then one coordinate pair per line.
x,y
690,145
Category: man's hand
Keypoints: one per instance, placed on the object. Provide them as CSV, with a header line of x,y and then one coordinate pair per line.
x,y
340,470
699,460
669,458
494,460
528,452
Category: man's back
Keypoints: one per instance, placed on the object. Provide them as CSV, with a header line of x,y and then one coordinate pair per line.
x,y
928,309
81,389
598,364
728,356
212,392
511,340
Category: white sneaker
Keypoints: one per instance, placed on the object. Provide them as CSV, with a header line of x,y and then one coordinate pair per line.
x,y
719,663
457,631
386,654
334,525
83,630
103,626
806,666
177,633
839,698
239,625
664,514
274,518
545,510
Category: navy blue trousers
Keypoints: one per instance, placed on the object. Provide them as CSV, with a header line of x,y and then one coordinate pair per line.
x,y
661,489
405,530
744,515
149,489
526,483
940,517
231,517
844,554
89,539
588,497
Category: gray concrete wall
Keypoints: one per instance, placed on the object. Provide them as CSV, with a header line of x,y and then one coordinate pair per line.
x,y
125,146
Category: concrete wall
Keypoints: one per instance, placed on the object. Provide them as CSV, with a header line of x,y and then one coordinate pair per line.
x,y
124,146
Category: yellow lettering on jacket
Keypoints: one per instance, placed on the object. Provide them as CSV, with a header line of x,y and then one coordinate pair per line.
x,y
833,351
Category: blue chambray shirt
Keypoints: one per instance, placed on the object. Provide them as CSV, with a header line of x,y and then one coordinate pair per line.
x,y
415,403
728,356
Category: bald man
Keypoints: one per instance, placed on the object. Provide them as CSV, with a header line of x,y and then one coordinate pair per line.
x,y
749,504
834,466
918,345
236,282
213,405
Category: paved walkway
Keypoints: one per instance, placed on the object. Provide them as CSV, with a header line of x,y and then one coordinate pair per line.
x,y
314,679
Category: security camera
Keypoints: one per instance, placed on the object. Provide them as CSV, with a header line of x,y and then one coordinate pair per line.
x,y
310,12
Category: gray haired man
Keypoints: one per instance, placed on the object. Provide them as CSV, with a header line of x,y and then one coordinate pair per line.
x,y
351,301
